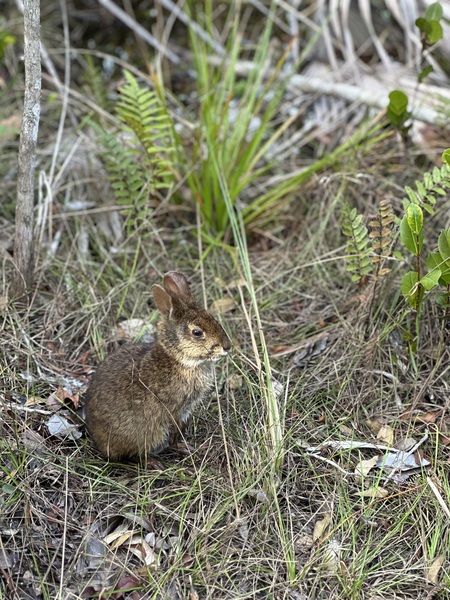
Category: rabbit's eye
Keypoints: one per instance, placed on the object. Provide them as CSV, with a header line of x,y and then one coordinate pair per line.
x,y
197,332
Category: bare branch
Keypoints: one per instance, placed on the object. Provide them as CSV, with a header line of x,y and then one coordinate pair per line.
x,y
24,238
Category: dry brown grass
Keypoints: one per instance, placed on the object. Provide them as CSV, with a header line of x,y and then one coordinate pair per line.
x,y
224,523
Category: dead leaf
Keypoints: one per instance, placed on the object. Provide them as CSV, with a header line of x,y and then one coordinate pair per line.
x,y
444,439
222,306
235,381
331,555
373,492
402,461
365,466
433,571
54,403
64,394
429,417
34,401
126,583
374,425
406,416
406,444
130,329
139,547
121,533
61,428
321,526
347,431
386,435
234,283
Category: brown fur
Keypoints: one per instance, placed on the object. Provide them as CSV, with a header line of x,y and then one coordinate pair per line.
x,y
141,395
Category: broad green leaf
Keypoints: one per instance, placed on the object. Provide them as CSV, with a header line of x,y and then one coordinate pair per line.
x,y
411,288
409,239
430,280
444,244
434,12
414,215
434,261
398,102
423,25
436,32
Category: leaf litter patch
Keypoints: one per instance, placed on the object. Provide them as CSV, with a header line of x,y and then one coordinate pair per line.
x,y
398,464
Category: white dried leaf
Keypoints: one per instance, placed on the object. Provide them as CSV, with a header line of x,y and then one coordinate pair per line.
x,y
150,538
277,387
331,555
121,530
142,550
401,461
61,428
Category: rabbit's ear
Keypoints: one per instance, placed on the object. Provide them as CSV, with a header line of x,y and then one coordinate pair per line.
x,y
177,285
163,300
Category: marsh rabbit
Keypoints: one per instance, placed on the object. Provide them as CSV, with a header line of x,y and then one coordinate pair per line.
x,y
141,396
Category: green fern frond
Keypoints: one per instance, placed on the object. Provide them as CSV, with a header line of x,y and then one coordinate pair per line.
x,y
358,250
436,182
95,85
142,113
381,235
126,174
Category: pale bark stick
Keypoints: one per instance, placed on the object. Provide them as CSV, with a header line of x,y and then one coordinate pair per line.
x,y
24,238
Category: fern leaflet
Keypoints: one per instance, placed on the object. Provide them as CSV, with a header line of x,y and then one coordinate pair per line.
x,y
436,182
382,235
142,113
358,250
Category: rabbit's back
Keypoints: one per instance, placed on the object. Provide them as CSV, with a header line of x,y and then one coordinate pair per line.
x,y
138,396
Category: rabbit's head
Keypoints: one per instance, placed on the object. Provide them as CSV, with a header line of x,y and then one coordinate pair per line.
x,y
187,331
